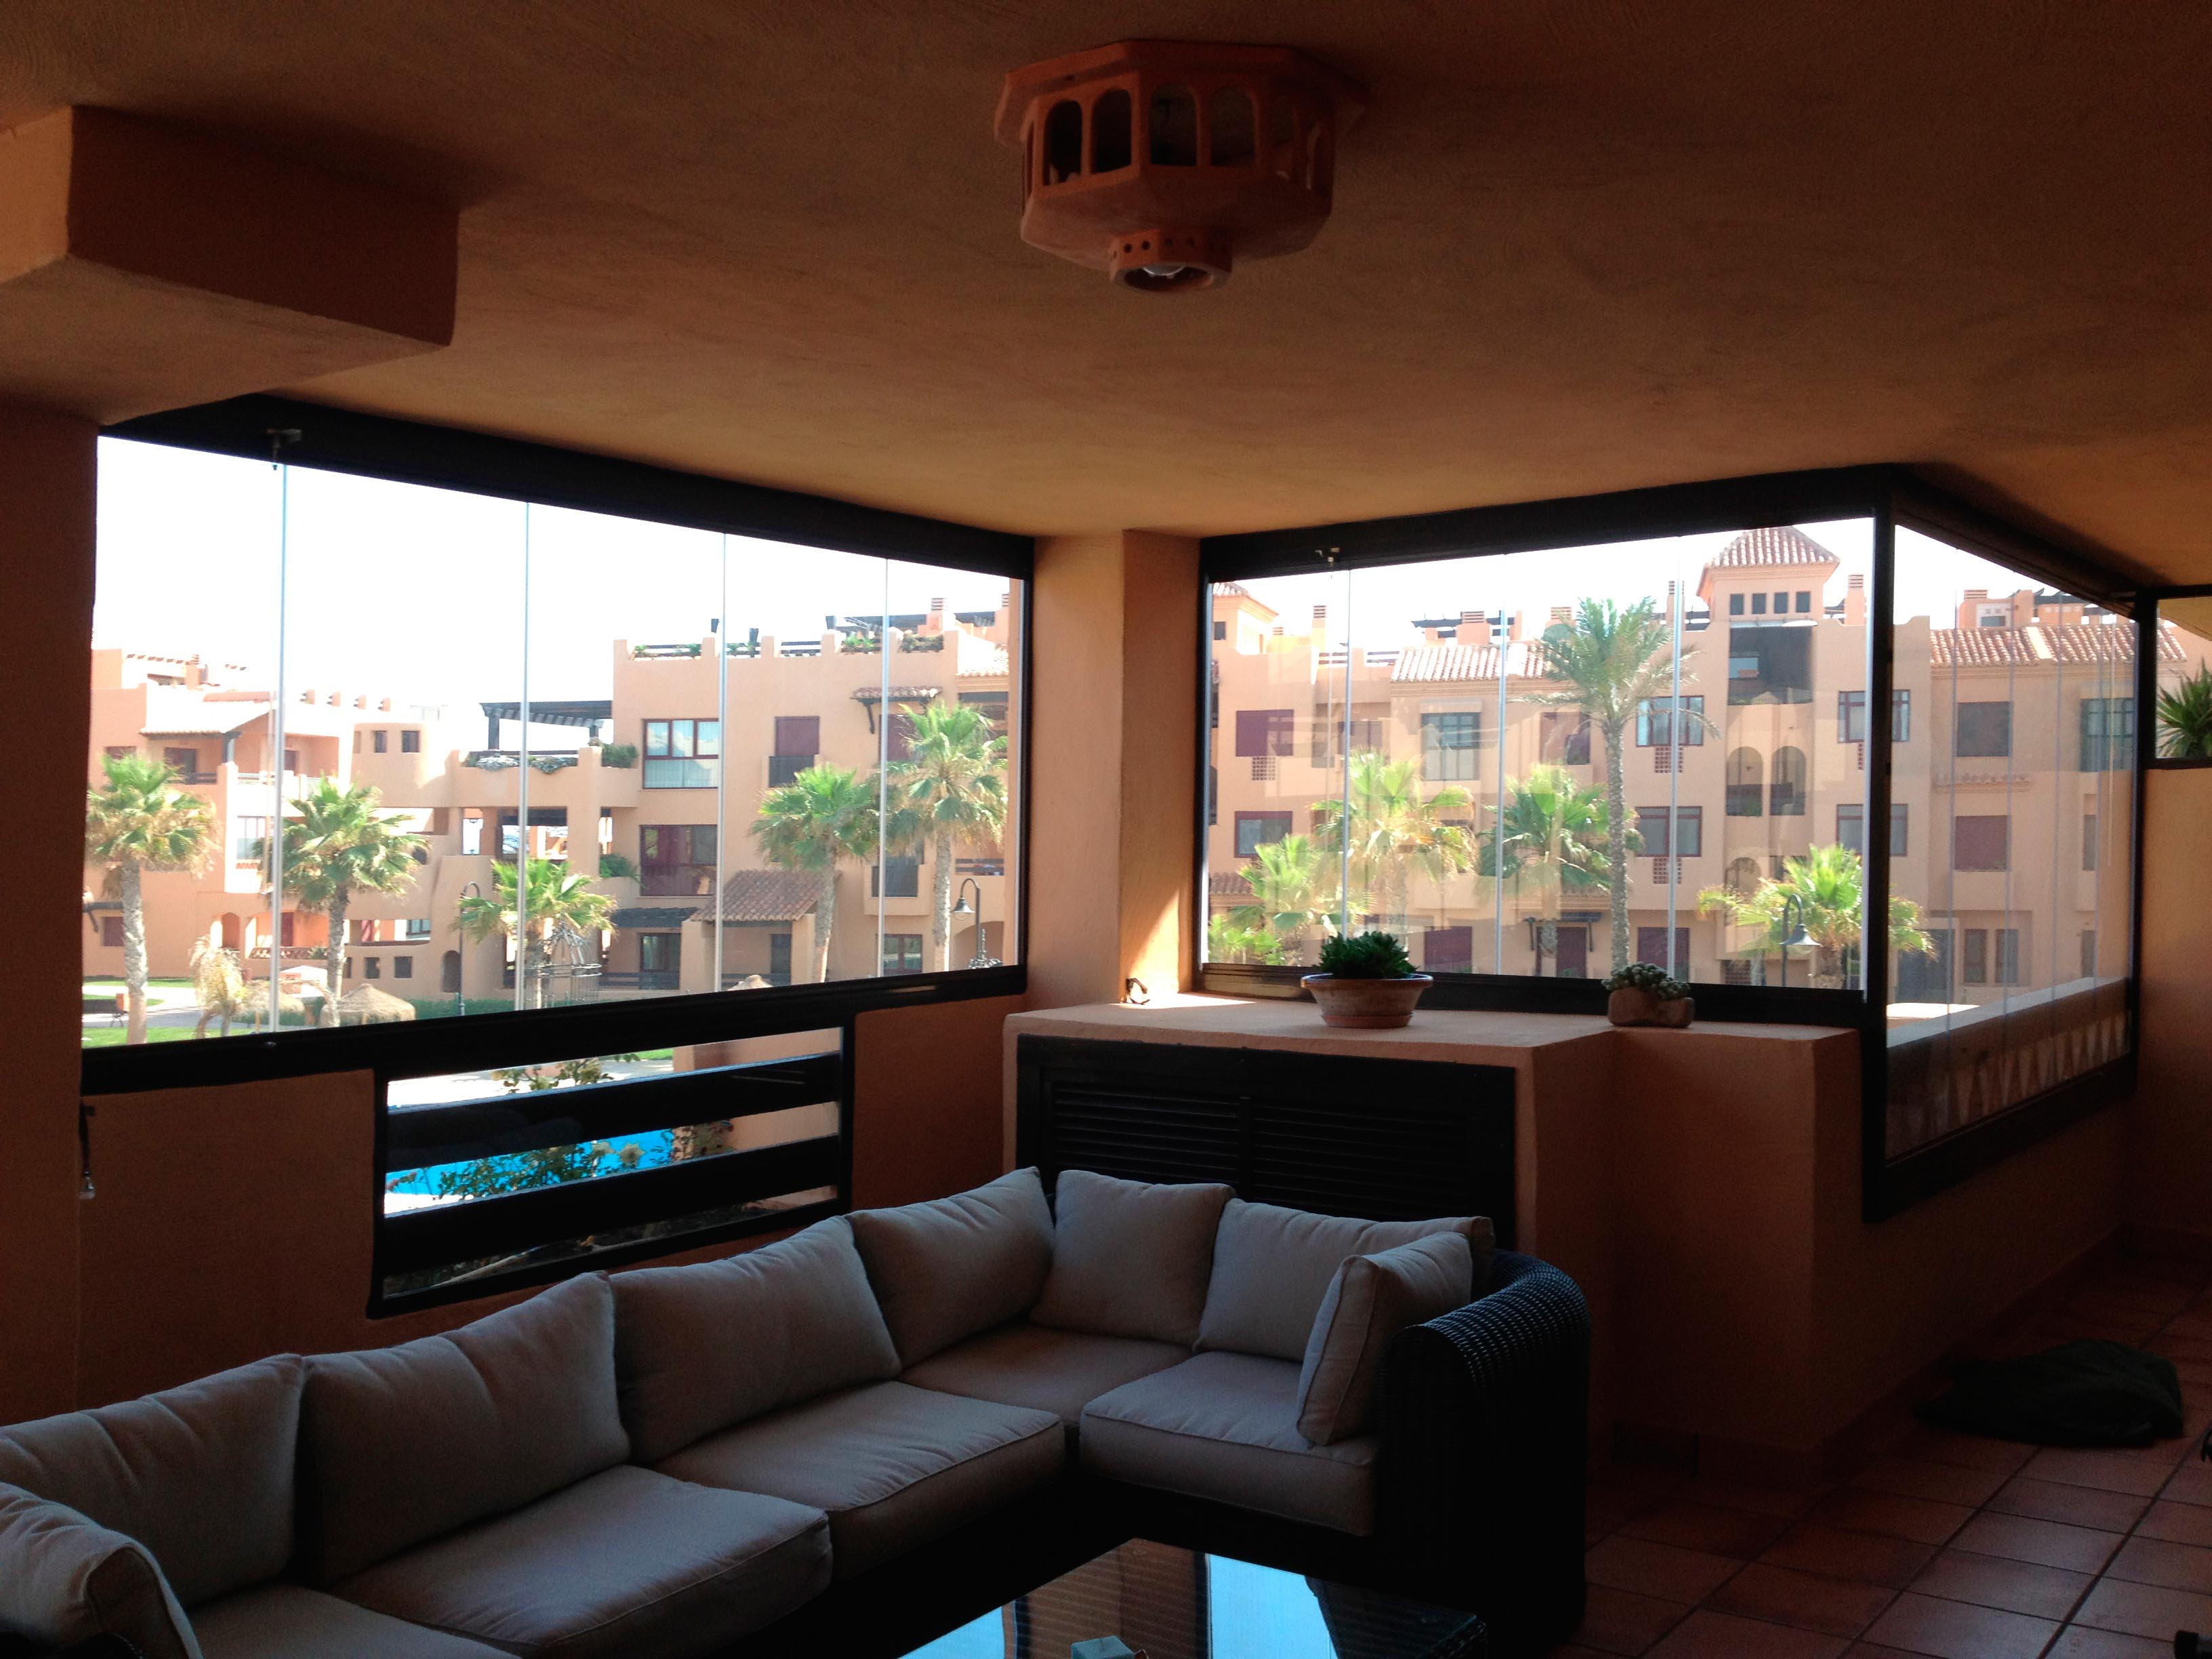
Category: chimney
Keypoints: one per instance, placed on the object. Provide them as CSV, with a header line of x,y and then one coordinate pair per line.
x,y
1855,602
1473,628
1513,627
1563,616
195,674
1320,622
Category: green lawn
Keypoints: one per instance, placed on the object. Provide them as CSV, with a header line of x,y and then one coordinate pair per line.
x,y
111,1036
109,987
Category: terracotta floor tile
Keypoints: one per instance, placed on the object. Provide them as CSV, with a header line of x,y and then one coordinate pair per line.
x,y
1736,1533
1868,1650
1958,1630
1923,1520
1970,1451
1644,1484
2080,1642
1621,1621
1948,1483
2183,1346
2144,1610
2041,1543
1707,1635
2178,1524
1782,1501
1644,1568
1835,1607
2191,1484
2077,1506
1990,1582
1809,1547
2101,1470
2154,1561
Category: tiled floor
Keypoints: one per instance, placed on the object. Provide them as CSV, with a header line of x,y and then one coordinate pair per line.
x,y
1945,1546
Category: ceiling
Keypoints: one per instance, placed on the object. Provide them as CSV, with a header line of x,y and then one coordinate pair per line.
x,y
1579,244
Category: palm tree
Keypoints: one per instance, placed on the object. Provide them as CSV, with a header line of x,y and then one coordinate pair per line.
x,y
951,786
339,845
1393,830
1615,659
2185,718
1228,940
134,823
556,895
1555,834
1291,890
1826,891
824,814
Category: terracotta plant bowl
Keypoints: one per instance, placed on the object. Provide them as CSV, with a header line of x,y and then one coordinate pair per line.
x,y
1629,1007
1370,1004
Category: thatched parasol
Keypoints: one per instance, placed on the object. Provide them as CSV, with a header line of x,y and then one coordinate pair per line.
x,y
366,1005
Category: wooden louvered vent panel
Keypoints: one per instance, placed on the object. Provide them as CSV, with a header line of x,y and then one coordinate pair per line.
x,y
1341,1134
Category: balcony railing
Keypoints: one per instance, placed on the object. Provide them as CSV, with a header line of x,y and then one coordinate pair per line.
x,y
658,978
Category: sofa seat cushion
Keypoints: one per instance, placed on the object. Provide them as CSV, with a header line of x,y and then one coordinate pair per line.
x,y
1130,1258
955,1266
1225,1427
286,1621
894,1465
624,1562
1047,1370
201,1475
1272,1266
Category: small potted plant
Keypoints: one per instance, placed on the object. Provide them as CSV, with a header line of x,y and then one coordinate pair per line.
x,y
1367,982
1643,993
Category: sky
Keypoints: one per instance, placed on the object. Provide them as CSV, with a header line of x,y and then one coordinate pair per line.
x,y
417,593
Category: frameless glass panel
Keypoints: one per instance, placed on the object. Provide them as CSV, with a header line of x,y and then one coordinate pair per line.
x,y
2183,715
2009,916
1552,763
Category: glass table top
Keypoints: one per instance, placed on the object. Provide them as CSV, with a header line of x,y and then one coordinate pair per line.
x,y
1173,1603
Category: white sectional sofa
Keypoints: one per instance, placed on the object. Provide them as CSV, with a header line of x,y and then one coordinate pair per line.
x,y
670,1460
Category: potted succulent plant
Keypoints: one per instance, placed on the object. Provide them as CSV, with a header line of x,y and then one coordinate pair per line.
x,y
1366,981
1643,993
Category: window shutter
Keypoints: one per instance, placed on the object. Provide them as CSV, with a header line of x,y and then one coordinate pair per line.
x,y
798,734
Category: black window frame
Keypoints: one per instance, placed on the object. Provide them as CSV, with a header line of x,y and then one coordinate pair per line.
x,y
1456,761
447,457
1891,497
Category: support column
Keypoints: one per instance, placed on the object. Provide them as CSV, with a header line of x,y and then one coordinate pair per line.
x,y
47,485
1113,766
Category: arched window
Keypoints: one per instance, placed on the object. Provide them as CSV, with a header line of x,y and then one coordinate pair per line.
x,y
1743,875
1110,132
1746,780
449,973
1063,141
1785,795
1171,128
1282,137
1230,141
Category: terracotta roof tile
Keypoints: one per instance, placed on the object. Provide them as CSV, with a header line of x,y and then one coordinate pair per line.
x,y
1436,663
770,895
2084,644
1774,546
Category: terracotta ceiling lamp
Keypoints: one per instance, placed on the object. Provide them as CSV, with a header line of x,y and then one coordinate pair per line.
x,y
1163,162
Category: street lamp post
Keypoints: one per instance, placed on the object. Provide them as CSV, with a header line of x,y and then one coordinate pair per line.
x,y
461,957
982,958
1794,936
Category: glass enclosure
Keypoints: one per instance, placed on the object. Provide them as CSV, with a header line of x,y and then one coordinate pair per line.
x,y
1551,763
366,751
2011,913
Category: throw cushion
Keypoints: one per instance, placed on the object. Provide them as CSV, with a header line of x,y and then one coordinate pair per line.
x,y
947,1269
69,1579
201,1475
699,1348
400,1444
1370,1301
1272,1266
1130,1258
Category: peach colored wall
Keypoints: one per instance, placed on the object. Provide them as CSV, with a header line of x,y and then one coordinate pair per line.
x,y
2170,1149
45,592
1113,765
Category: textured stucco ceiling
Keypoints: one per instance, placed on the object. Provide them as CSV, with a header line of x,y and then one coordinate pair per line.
x,y
1578,246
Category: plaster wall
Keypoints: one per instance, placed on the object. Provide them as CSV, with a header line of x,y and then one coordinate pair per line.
x,y
2170,1124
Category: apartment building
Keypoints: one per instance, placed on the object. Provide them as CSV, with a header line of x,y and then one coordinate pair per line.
x,y
653,779
2011,718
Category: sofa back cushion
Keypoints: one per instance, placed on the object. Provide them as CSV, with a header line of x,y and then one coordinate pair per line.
x,y
67,1580
947,1269
399,1444
201,1475
700,1347
1370,1300
1272,1266
1130,1258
